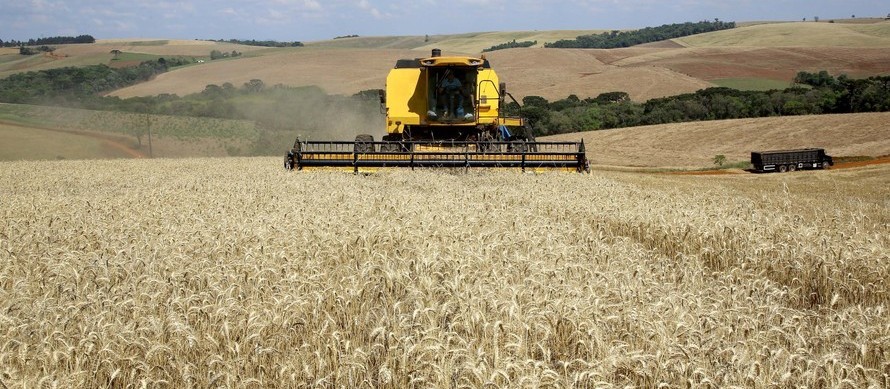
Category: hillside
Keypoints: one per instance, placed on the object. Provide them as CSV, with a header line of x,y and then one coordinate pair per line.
x,y
100,53
469,43
694,145
755,56
796,34
742,58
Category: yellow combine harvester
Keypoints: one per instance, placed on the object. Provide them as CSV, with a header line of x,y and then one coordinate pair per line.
x,y
443,112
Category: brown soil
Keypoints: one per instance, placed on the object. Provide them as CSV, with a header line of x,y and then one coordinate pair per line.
x,y
717,172
870,162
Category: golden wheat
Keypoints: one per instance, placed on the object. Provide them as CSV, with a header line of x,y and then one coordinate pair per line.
x,y
235,273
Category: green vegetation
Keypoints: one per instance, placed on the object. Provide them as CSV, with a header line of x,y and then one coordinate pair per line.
x,y
54,40
78,86
24,50
216,54
615,39
510,45
816,93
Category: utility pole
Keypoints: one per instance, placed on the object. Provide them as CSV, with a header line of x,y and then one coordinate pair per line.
x,y
148,125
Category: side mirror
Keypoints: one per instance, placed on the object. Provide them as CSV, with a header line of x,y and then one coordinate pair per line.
x,y
502,94
382,94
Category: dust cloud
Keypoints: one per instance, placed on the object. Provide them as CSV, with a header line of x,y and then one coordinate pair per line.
x,y
284,114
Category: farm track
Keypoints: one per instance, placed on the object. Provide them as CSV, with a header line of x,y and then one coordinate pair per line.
x,y
112,141
840,165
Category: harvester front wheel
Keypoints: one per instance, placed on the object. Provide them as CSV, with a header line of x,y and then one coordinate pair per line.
x,y
364,143
392,145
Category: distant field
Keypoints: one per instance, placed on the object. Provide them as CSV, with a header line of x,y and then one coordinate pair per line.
x,y
469,43
100,53
694,145
754,56
24,143
173,136
797,34
742,57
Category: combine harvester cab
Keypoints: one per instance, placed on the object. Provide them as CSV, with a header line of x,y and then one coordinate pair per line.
x,y
443,112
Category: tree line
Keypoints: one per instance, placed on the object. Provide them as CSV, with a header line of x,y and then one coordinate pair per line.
x,y
814,93
510,45
54,40
616,39
253,42
66,86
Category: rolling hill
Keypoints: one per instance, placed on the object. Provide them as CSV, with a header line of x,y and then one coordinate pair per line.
x,y
761,55
694,145
745,57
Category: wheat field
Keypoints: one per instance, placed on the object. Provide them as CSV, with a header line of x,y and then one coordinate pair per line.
x,y
236,273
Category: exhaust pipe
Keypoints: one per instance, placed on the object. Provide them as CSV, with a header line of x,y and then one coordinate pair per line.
x,y
437,53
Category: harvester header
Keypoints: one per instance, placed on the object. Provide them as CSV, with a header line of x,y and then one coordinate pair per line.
x,y
443,112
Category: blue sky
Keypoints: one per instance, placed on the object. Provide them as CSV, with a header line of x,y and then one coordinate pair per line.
x,y
309,20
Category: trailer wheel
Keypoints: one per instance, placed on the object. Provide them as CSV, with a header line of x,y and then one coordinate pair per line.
x,y
792,167
783,168
825,165
364,143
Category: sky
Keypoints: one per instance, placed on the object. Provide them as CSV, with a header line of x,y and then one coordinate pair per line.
x,y
311,20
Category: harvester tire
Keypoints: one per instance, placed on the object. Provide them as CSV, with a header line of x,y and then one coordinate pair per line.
x,y
390,147
364,143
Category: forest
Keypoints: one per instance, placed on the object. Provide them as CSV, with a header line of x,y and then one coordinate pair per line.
x,y
616,39
54,40
252,42
510,45
812,93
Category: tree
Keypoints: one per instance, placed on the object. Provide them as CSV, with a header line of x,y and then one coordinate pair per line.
x,y
216,54
254,85
534,101
115,53
719,159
